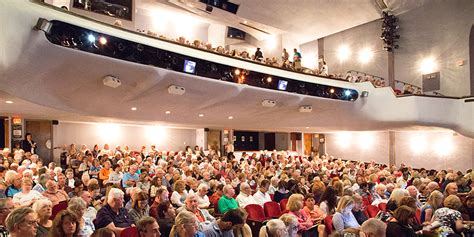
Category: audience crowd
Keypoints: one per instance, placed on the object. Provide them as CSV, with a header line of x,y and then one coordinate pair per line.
x,y
106,191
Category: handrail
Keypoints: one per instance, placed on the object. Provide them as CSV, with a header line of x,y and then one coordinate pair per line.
x,y
431,96
406,83
365,74
39,2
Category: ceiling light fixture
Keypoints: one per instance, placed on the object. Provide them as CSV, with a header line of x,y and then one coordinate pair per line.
x,y
134,108
102,40
9,102
168,112
230,117
201,115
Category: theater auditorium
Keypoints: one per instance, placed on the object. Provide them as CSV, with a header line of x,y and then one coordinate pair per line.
x,y
236,118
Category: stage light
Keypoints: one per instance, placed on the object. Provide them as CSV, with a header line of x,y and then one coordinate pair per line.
x,y
9,102
237,72
428,65
347,92
365,55
230,117
269,79
91,38
201,115
331,91
102,40
343,53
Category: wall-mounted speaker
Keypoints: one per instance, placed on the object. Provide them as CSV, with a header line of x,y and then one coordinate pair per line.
x,y
55,122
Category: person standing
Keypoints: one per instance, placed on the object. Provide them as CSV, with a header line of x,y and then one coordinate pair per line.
x,y
28,145
296,59
258,55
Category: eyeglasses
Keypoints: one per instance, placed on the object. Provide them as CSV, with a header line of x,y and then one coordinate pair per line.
x,y
33,222
294,228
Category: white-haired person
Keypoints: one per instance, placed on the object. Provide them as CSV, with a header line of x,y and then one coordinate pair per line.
x,y
27,196
22,222
291,223
379,195
191,204
274,228
43,209
245,196
13,182
373,228
113,215
203,199
78,206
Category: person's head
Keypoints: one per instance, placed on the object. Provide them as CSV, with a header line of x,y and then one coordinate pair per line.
x,y
274,228
43,208
291,223
140,200
295,202
358,203
435,199
309,201
451,189
186,225
86,196
408,201
380,189
77,206
6,206
179,186
22,222
65,224
404,215
373,228
103,232
228,191
412,191
345,205
202,189
452,202
26,185
165,210
148,227
245,189
397,195
231,219
161,194
51,186
192,202
133,169
115,198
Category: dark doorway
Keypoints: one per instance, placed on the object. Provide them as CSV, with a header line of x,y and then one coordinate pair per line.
x,y
42,132
2,132
246,141
269,141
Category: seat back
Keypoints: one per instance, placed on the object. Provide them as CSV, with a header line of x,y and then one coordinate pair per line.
x,y
272,209
130,232
255,212
57,208
372,210
283,203
328,224
272,196
418,216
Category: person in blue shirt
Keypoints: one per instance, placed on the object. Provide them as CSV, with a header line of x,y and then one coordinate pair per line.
x,y
130,178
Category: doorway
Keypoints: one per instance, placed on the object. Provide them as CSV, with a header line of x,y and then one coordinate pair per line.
x,y
269,141
42,132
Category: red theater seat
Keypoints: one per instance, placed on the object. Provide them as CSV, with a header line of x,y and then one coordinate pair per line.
x,y
328,224
272,209
130,232
372,210
283,203
255,212
57,208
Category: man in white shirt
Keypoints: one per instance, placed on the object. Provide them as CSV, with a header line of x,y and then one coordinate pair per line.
x,y
379,195
245,196
261,196
203,199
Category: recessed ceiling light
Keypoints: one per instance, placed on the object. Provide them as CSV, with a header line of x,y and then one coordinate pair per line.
x,y
134,108
9,102
168,112
230,117
201,115
245,22
307,127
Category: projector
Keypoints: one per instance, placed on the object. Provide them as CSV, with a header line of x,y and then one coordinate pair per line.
x,y
306,109
268,103
112,81
176,90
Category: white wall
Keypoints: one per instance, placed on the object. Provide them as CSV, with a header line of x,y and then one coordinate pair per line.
x,y
166,139
309,53
419,149
217,34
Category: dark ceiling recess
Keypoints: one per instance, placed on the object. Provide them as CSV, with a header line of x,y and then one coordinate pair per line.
x,y
235,33
78,38
222,4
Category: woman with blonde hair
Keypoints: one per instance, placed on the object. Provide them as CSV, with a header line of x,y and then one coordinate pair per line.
x,y
26,197
43,209
179,194
186,225
343,219
435,201
449,216
295,208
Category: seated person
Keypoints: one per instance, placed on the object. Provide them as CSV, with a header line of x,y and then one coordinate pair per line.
x,y
22,222
113,215
379,195
148,227
358,209
224,226
400,224
245,196
449,216
313,210
343,219
262,196
54,194
373,228
274,228
227,201
203,199
191,205
295,208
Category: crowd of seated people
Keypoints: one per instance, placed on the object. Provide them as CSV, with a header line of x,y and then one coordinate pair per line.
x,y
148,192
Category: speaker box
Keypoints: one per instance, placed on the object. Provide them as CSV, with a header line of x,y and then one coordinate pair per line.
x,y
55,122
209,8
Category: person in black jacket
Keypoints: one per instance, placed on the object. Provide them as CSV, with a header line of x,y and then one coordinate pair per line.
x,y
28,145
401,225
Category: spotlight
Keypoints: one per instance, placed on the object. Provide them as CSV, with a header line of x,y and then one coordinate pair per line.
x,y
331,90
91,38
237,72
347,92
269,79
102,40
